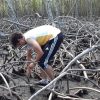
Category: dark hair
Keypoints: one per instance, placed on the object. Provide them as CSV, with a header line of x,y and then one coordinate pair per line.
x,y
14,38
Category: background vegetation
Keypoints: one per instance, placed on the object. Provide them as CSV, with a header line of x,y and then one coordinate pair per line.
x,y
75,8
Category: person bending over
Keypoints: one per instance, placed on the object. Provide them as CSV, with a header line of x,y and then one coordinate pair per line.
x,y
44,40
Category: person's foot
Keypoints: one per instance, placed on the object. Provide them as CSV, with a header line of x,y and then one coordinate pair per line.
x,y
42,82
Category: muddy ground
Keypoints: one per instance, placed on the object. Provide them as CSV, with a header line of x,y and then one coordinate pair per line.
x,y
80,34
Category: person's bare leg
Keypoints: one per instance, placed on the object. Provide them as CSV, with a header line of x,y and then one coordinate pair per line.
x,y
49,71
47,76
43,74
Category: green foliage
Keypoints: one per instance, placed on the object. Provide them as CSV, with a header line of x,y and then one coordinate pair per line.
x,y
3,8
23,7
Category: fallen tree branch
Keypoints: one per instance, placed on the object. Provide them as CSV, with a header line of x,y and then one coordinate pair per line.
x,y
65,69
17,23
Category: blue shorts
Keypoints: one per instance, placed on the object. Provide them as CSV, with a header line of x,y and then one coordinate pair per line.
x,y
50,49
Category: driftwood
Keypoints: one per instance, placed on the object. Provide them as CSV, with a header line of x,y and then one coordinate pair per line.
x,y
77,61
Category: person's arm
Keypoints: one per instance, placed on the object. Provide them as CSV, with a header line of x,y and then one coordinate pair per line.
x,y
39,52
29,56
37,48
28,64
